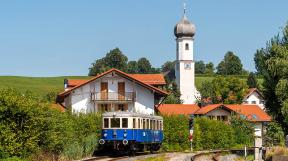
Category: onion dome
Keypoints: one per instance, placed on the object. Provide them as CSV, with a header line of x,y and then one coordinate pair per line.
x,y
184,28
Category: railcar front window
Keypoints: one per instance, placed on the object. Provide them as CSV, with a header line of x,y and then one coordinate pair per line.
x,y
124,122
106,123
115,122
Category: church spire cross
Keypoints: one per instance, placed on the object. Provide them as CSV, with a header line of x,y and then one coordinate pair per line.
x,y
184,8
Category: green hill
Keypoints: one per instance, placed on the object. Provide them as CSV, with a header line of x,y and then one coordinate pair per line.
x,y
44,85
40,85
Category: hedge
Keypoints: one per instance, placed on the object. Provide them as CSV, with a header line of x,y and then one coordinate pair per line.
x,y
176,133
31,130
208,134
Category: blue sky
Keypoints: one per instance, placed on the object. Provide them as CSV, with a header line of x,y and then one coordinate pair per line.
x,y
53,38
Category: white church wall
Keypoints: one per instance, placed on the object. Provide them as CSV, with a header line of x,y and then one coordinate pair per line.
x,y
184,54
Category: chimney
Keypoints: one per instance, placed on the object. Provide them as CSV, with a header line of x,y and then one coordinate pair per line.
x,y
65,84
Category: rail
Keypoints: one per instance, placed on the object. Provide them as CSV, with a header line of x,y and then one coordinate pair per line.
x,y
112,96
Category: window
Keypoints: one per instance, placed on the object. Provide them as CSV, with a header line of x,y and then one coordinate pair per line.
x,y
134,123
105,107
124,122
186,46
253,102
224,118
151,124
122,107
187,66
115,122
106,123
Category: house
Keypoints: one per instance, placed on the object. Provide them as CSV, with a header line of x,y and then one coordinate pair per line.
x,y
255,97
224,112
114,90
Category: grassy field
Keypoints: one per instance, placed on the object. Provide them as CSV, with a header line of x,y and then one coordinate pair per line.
x,y
40,85
44,85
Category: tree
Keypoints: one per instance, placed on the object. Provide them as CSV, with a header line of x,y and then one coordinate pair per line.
x,y
144,66
229,90
132,67
200,67
174,96
272,63
230,65
209,68
252,81
113,59
116,59
168,68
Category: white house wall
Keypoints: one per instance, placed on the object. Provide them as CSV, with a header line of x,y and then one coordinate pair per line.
x,y
254,97
81,97
218,112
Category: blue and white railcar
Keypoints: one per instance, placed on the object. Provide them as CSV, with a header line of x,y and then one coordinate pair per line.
x,y
131,131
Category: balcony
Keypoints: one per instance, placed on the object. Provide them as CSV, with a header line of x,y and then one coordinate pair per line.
x,y
113,96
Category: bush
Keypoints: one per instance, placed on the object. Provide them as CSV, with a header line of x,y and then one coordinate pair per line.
x,y
275,134
212,134
29,128
243,131
176,133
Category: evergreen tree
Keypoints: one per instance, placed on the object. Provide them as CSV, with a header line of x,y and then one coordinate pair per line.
x,y
272,63
252,81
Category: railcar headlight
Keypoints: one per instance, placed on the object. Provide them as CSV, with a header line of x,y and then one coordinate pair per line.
x,y
125,134
105,135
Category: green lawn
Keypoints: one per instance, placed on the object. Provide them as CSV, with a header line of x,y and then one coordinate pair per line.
x,y
43,85
40,85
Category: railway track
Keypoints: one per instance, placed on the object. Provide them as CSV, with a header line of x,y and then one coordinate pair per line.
x,y
118,157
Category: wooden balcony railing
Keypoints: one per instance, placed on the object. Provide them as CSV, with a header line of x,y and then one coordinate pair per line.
x,y
113,96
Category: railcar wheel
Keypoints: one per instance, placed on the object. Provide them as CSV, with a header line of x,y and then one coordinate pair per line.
x,y
132,149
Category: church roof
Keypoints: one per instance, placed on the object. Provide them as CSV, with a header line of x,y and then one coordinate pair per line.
x,y
184,28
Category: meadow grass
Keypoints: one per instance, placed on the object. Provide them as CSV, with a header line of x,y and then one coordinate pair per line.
x,y
44,85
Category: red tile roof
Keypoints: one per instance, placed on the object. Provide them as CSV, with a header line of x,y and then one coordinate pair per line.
x,y
75,82
251,112
184,109
152,79
204,110
123,74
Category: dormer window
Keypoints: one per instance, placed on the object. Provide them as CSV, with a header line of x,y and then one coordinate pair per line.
x,y
186,46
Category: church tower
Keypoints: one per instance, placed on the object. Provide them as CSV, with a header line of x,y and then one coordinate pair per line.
x,y
185,68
